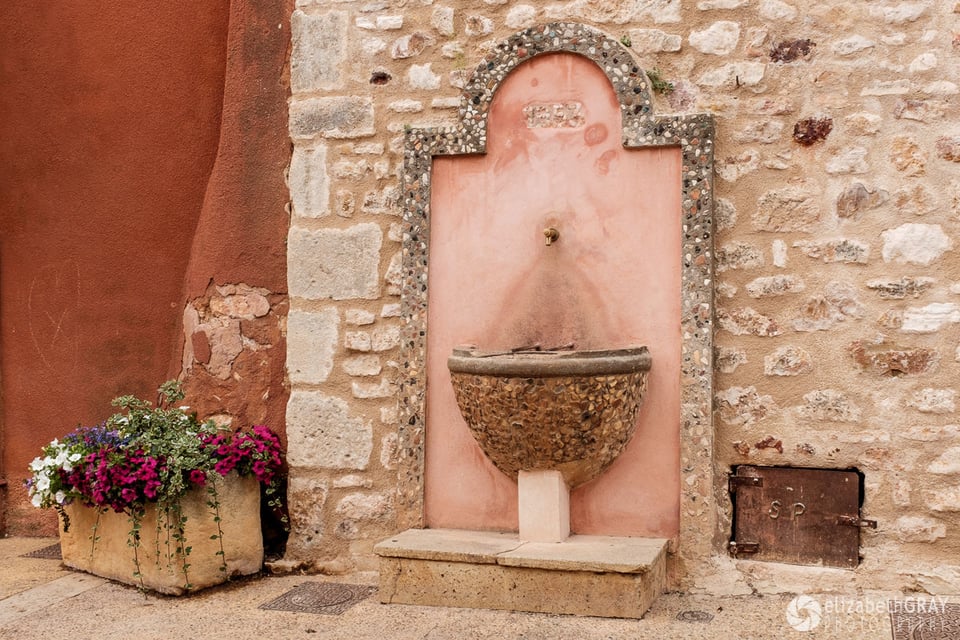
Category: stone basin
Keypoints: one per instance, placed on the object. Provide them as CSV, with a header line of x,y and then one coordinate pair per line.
x,y
569,411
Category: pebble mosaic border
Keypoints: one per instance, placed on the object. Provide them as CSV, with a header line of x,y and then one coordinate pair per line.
x,y
694,134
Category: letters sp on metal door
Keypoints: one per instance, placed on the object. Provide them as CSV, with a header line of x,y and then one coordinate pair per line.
x,y
797,516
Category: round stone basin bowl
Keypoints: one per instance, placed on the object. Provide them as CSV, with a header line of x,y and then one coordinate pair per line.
x,y
570,411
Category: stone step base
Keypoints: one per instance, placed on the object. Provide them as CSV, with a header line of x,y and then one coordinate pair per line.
x,y
585,575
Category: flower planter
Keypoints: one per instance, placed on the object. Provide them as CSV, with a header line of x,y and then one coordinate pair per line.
x,y
111,555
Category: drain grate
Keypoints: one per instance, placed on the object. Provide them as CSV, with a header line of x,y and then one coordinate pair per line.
x,y
929,620
46,553
694,616
330,598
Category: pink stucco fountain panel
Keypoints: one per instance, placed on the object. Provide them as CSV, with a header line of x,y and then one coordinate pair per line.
x,y
612,280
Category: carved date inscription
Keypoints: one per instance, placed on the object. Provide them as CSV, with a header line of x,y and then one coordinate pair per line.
x,y
554,115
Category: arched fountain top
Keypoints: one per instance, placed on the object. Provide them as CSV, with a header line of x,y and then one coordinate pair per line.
x,y
628,79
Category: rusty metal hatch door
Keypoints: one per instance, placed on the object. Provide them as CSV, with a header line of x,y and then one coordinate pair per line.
x,y
797,516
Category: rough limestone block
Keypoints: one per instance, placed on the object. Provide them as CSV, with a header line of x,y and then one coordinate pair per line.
x,y
829,405
776,11
747,74
919,529
319,49
792,208
341,264
719,39
331,117
359,317
239,302
321,433
768,286
521,16
739,255
654,41
112,557
411,45
709,5
420,76
944,498
915,243
852,160
660,11
364,390
311,342
931,318
934,401
366,506
947,463
787,360
364,365
851,45
306,497
744,406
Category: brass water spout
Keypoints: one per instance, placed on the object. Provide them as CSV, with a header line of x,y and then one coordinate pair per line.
x,y
551,235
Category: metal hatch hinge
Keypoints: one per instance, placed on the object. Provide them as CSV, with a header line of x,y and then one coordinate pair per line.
x,y
737,548
735,482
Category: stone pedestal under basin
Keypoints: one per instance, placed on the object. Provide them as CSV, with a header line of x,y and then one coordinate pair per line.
x,y
612,577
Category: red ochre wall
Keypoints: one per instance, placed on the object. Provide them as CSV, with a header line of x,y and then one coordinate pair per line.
x,y
138,151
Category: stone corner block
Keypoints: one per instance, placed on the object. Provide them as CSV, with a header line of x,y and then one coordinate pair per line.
x,y
341,264
309,183
318,50
331,117
322,434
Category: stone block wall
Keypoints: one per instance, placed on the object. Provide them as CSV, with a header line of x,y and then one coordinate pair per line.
x,y
838,283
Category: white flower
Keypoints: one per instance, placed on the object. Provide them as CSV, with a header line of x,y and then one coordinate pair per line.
x,y
36,500
43,482
36,465
60,496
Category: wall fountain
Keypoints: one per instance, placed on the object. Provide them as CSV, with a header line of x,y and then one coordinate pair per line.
x,y
541,464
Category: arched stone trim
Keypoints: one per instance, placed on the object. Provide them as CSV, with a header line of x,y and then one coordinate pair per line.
x,y
700,492
628,79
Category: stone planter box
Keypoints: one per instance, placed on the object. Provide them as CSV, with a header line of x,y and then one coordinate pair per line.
x,y
161,567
